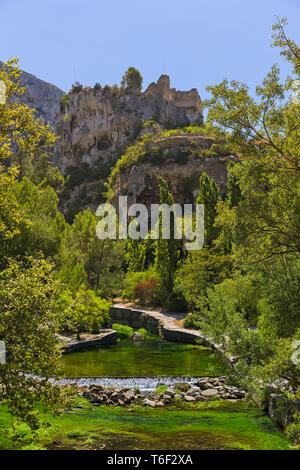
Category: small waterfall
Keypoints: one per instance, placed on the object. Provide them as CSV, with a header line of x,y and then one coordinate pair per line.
x,y
143,383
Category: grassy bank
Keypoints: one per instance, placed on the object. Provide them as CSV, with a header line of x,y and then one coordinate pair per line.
x,y
214,425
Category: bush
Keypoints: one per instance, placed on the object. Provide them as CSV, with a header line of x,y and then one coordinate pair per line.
x,y
293,430
200,270
123,331
147,291
64,101
144,332
192,322
161,389
176,303
88,312
133,278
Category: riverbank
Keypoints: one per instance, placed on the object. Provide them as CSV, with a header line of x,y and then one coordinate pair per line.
x,y
87,340
211,425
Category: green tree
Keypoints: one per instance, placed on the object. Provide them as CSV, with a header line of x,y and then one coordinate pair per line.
x,y
12,216
45,173
266,133
20,129
28,316
102,259
208,195
89,312
22,161
136,255
200,270
46,228
263,227
167,251
29,321
20,132
132,78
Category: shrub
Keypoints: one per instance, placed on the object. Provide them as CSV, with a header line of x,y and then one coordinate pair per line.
x,y
293,430
64,101
133,278
176,303
123,331
192,321
88,312
144,332
97,86
146,291
161,389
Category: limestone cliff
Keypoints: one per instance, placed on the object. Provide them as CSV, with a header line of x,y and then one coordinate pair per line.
x,y
40,95
97,124
180,160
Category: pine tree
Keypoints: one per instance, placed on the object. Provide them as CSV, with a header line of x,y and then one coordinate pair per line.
x,y
136,255
167,251
208,195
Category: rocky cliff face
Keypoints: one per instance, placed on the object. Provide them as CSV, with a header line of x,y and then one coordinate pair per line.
x,y
97,124
40,95
180,160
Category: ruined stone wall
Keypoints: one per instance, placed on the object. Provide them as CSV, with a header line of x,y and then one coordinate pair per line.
x,y
97,125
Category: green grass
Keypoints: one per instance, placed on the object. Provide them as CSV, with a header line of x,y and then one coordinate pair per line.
x,y
214,425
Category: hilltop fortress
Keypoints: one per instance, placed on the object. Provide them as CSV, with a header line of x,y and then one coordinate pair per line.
x,y
97,124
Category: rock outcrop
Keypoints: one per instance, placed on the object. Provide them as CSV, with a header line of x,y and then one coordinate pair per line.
x,y
180,160
97,124
40,95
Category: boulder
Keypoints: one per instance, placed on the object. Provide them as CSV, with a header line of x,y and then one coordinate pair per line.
x,y
192,392
206,386
93,398
138,337
115,396
151,403
209,393
166,399
170,392
182,386
129,396
96,389
189,398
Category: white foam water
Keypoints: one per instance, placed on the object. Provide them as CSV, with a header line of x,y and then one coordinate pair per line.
x,y
143,383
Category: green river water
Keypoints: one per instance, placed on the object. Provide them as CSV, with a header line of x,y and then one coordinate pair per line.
x,y
218,424
153,357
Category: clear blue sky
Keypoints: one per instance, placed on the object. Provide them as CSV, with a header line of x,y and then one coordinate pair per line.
x,y
196,42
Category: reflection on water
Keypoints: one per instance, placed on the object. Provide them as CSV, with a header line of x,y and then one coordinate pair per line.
x,y
153,357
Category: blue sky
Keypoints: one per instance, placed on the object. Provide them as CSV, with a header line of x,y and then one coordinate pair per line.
x,y
196,42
